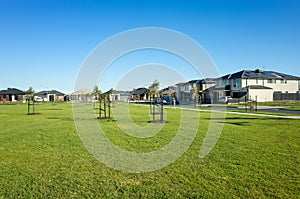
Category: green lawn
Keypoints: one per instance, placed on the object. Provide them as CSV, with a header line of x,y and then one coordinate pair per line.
x,y
280,103
42,156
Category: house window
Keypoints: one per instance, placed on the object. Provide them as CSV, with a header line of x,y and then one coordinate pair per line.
x,y
236,83
283,81
272,81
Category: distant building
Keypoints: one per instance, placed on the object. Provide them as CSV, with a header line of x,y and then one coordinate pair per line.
x,y
12,95
52,95
205,87
195,90
139,94
184,92
124,96
82,95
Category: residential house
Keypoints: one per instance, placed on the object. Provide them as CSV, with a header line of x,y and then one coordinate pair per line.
x,y
255,84
139,94
184,93
12,95
205,87
195,90
113,95
52,95
124,96
83,95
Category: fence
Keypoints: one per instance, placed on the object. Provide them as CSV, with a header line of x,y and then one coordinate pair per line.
x,y
278,96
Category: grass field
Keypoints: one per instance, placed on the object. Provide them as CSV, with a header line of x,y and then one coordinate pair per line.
x,y
42,156
280,103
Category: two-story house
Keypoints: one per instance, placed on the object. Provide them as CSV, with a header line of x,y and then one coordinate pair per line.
x,y
256,84
195,90
205,86
188,92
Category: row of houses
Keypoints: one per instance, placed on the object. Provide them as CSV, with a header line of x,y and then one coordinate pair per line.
x,y
256,84
83,95
259,85
14,95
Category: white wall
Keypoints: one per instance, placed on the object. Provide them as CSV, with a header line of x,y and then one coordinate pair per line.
x,y
263,95
291,86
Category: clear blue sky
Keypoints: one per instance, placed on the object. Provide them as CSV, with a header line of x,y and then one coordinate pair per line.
x,y
43,43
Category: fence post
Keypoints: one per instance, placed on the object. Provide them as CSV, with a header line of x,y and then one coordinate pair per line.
x,y
256,103
246,102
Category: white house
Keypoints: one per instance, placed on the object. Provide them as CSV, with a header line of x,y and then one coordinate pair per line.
x,y
82,95
51,95
259,84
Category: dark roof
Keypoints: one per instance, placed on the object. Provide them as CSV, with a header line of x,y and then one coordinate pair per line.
x,y
12,91
194,81
140,91
111,91
258,87
237,75
208,80
225,76
168,90
214,88
52,92
244,74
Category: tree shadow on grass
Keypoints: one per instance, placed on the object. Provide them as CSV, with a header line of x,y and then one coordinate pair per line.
x,y
244,121
237,123
53,109
231,120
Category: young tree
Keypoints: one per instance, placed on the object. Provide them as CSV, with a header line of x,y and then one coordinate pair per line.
x,y
97,92
153,89
196,94
29,94
30,91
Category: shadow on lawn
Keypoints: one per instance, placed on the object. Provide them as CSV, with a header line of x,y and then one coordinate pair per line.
x,y
53,109
61,118
243,121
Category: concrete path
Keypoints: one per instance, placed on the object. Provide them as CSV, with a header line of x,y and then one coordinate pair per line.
x,y
267,115
270,109
249,114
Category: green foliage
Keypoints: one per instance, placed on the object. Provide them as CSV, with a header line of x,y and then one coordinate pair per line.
x,y
96,91
41,156
30,91
153,88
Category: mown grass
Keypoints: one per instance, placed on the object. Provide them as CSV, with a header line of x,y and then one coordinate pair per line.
x,y
43,156
280,103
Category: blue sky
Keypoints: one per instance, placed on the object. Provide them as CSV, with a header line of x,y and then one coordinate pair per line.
x,y
44,43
